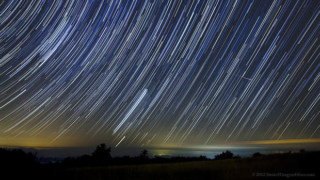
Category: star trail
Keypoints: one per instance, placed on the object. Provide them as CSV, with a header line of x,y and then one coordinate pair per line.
x,y
155,73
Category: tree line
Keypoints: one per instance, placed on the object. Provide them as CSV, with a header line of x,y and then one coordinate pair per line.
x,y
101,156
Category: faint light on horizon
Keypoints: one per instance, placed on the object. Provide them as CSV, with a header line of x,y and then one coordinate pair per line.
x,y
283,141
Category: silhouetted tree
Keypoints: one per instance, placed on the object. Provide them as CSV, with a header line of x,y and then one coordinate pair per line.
x,y
224,155
17,164
101,155
144,155
201,157
17,157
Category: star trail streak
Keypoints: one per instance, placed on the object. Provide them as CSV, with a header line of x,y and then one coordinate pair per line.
x,y
150,73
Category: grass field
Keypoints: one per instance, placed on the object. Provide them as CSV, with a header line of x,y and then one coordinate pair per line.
x,y
272,166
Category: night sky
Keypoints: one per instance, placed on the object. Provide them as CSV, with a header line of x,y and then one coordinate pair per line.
x,y
159,74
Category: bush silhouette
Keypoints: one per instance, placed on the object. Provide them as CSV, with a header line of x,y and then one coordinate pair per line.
x,y
17,158
202,157
17,164
144,155
257,154
101,155
224,155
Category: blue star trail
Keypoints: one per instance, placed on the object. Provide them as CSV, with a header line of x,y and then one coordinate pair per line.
x,y
148,73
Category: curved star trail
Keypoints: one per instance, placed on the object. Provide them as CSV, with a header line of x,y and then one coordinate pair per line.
x,y
152,72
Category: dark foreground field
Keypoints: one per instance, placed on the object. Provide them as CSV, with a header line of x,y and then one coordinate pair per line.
x,y
302,166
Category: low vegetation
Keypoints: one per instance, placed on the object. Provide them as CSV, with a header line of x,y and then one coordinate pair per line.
x,y
100,165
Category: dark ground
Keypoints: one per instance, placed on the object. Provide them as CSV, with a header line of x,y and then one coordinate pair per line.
x,y
303,165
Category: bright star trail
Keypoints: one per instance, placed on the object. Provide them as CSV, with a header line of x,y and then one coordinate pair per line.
x,y
151,73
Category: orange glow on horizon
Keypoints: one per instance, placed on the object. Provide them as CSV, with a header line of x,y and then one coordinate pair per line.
x,y
37,143
283,141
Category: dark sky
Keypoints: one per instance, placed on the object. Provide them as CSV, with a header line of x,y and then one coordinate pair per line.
x,y
159,74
